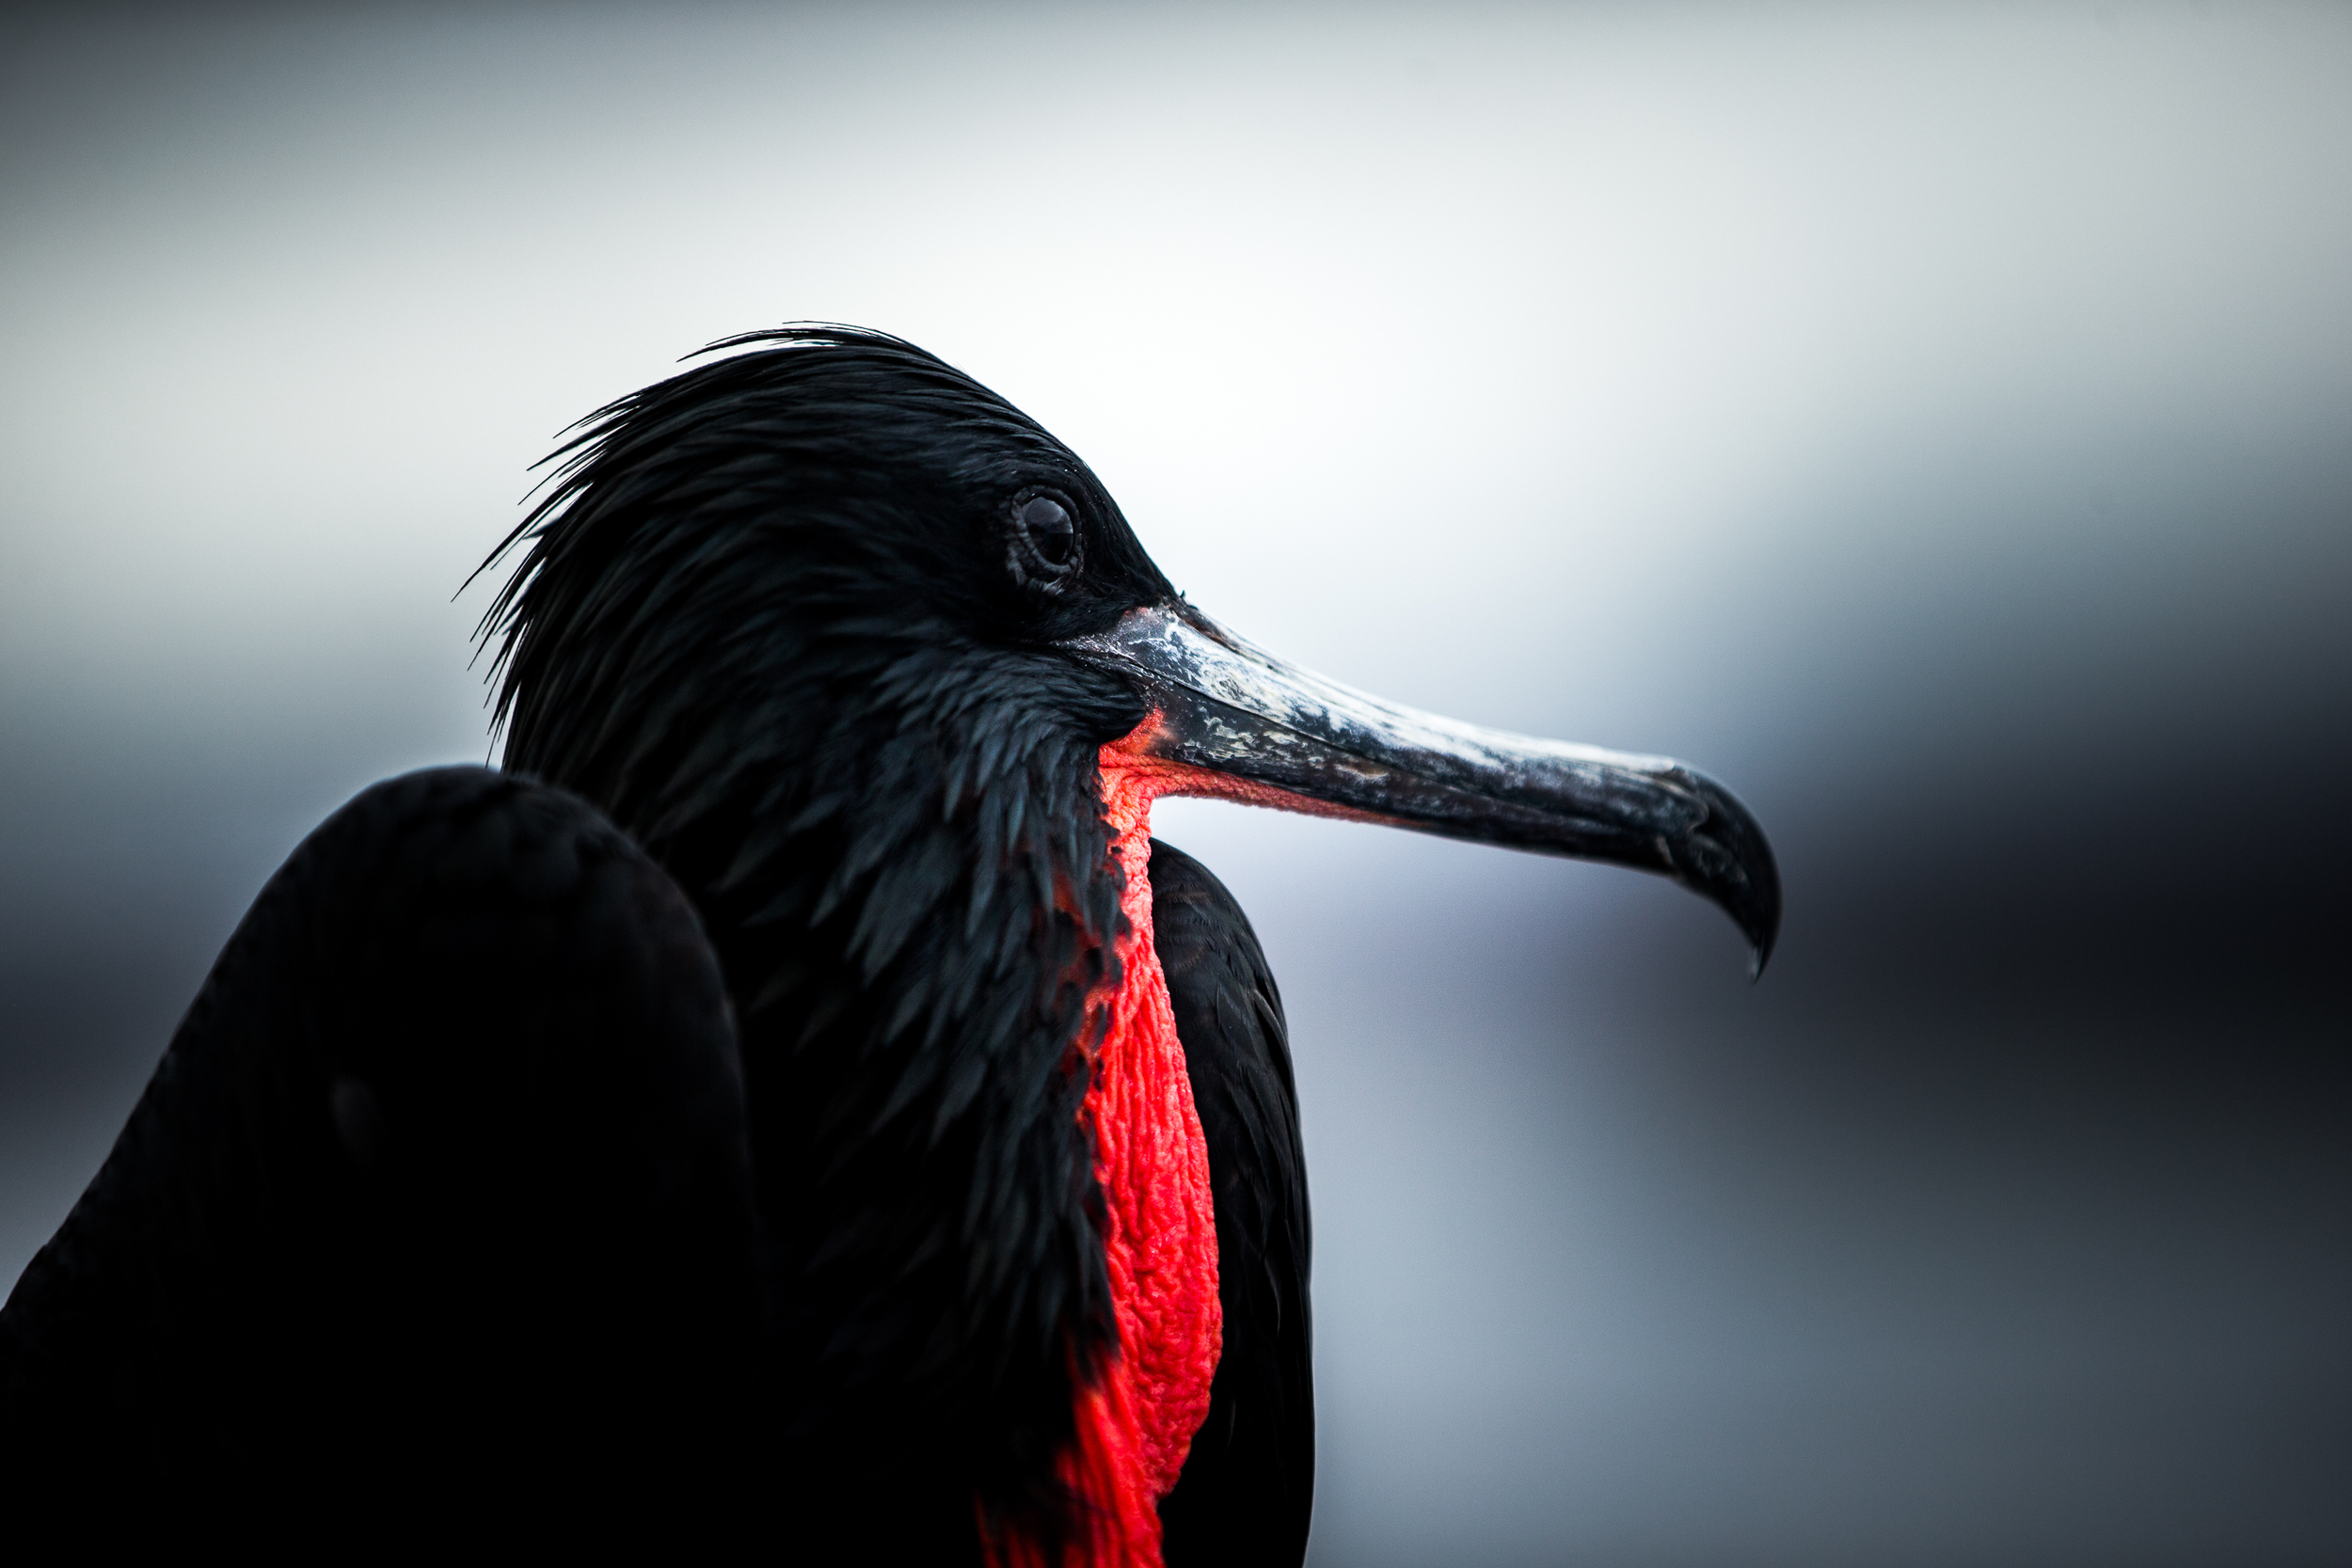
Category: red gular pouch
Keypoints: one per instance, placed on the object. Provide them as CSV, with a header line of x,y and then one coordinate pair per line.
x,y
1135,1424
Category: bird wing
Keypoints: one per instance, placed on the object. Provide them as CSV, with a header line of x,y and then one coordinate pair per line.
x,y
1248,1486
439,1198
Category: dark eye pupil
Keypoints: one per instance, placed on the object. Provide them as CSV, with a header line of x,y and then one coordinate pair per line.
x,y
1051,531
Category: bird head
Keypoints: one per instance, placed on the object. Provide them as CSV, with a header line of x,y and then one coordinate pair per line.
x,y
838,502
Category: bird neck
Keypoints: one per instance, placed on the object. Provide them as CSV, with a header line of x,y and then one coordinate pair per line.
x,y
1135,1424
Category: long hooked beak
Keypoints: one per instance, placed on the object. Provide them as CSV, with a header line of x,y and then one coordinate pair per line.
x,y
1222,705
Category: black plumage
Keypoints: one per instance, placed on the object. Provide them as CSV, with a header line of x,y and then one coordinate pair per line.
x,y
458,1113
824,704
1250,1481
687,1131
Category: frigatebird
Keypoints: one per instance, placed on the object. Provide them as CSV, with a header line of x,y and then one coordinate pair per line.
x,y
796,1094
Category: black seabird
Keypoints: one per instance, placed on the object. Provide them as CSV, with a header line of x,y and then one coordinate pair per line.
x,y
795,1096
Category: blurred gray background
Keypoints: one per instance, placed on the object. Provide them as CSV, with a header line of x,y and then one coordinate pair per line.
x,y
1936,420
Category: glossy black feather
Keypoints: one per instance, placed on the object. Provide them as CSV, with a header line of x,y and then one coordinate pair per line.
x,y
1248,1484
765,621
438,1200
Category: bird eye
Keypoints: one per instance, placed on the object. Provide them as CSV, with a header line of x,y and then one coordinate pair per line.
x,y
1044,543
1050,530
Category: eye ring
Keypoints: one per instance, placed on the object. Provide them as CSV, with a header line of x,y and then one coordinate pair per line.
x,y
1044,542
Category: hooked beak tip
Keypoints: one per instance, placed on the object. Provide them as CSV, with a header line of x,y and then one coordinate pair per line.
x,y
1741,876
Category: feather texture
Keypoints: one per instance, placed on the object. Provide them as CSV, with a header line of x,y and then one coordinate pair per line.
x,y
763,620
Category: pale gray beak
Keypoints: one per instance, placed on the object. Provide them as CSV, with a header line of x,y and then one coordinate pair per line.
x,y
1235,709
